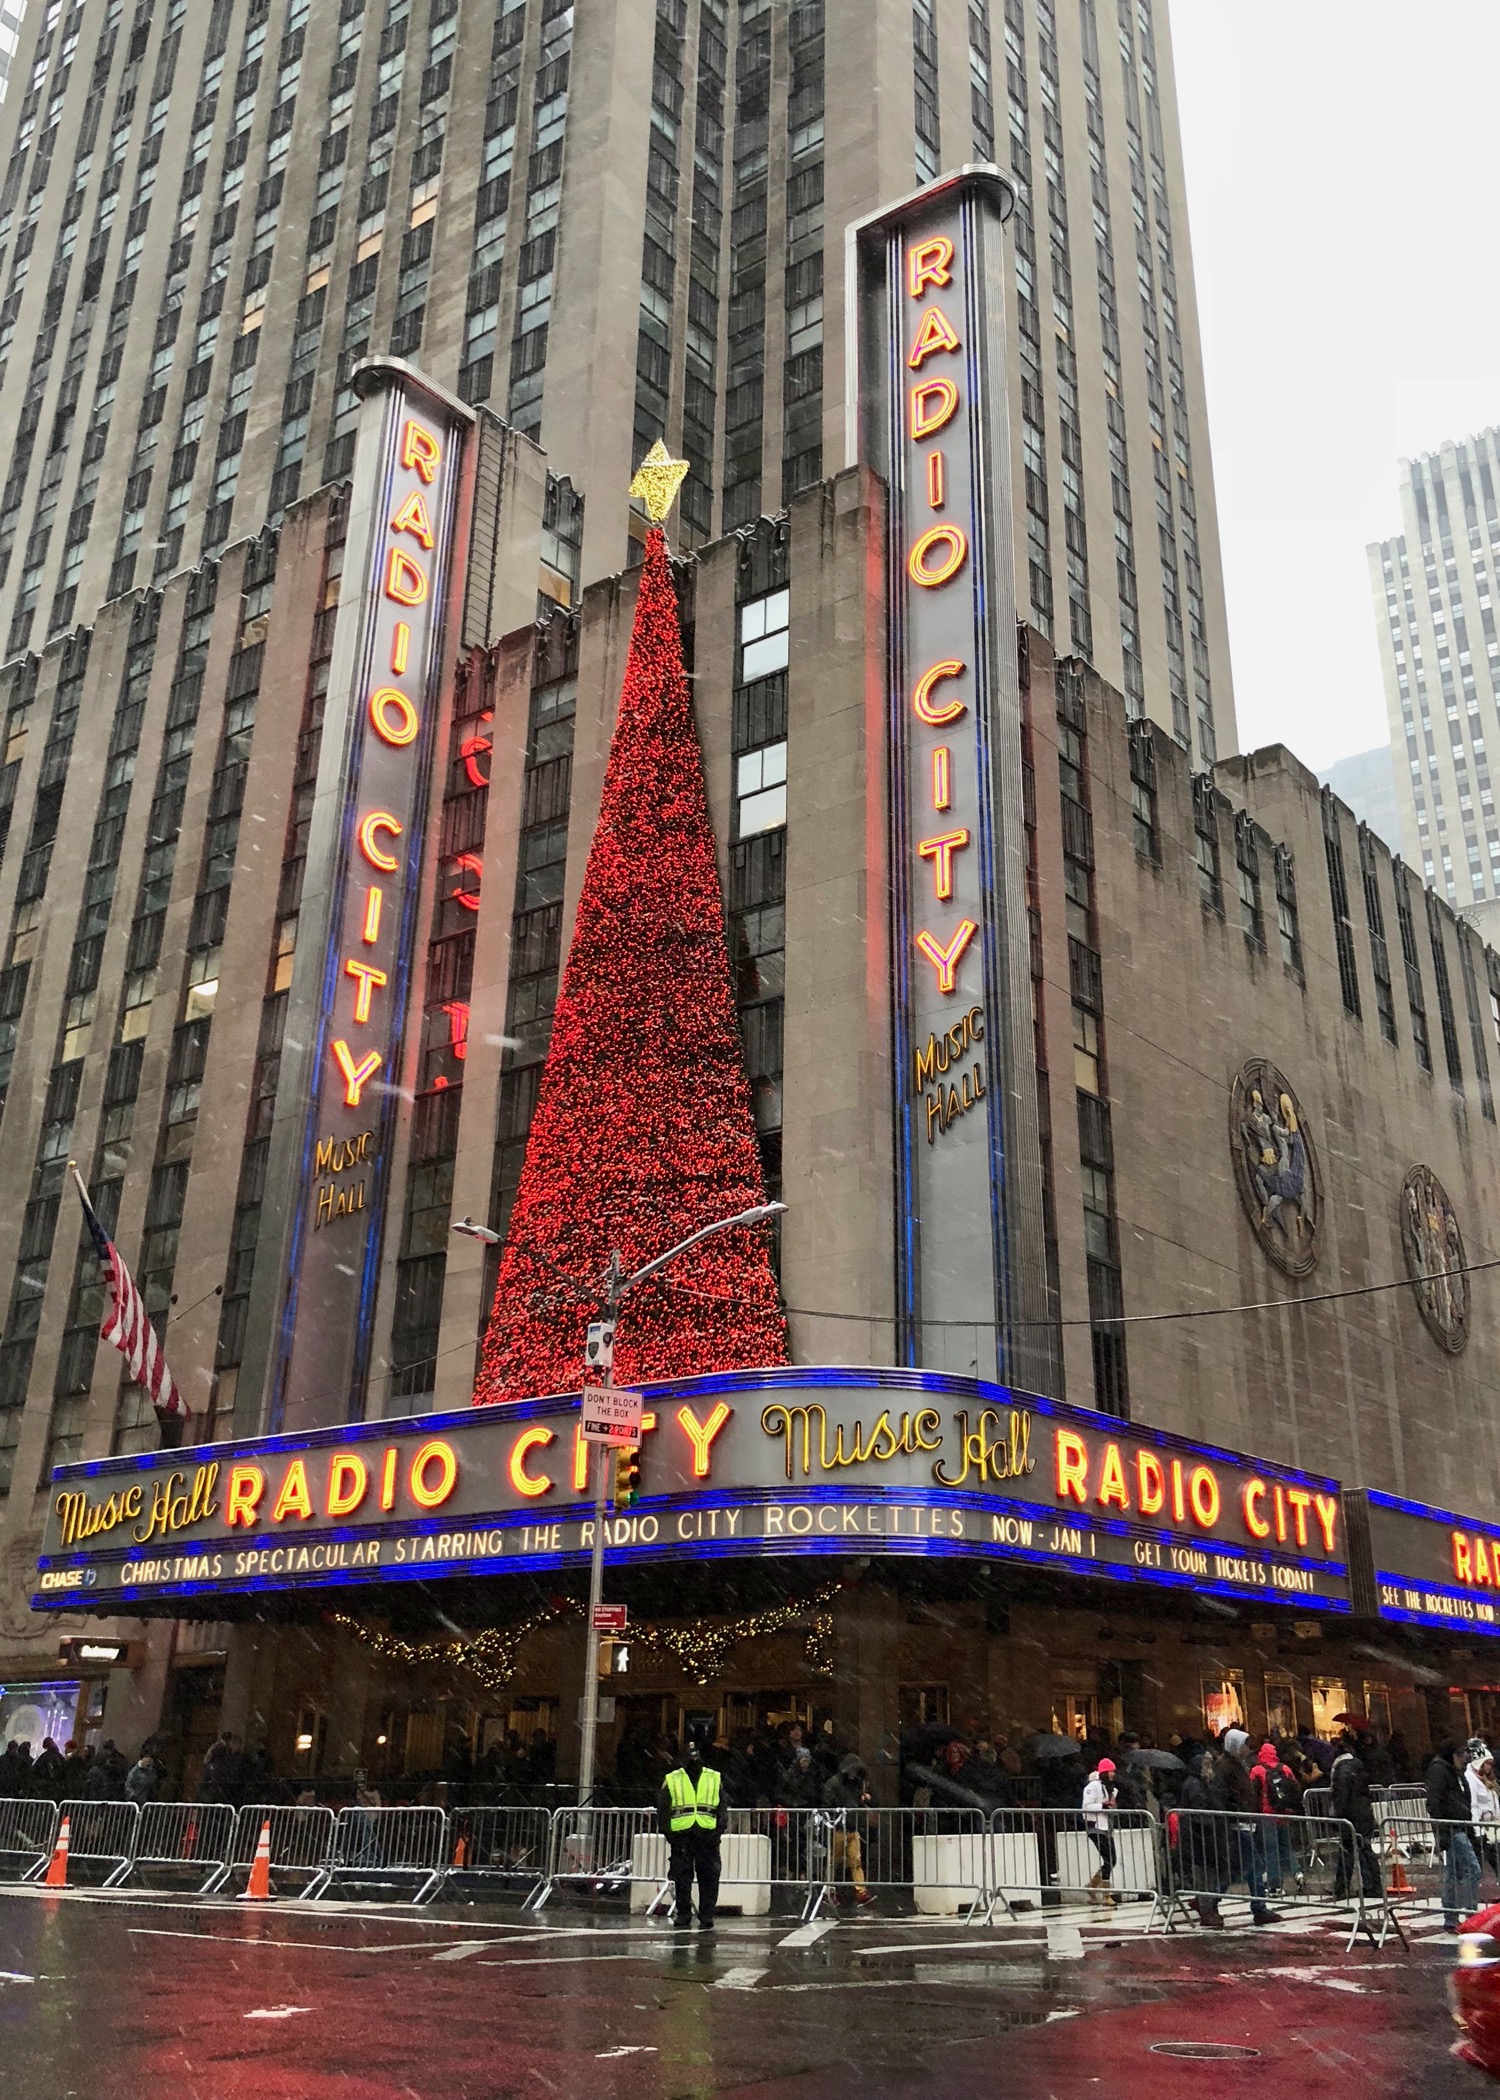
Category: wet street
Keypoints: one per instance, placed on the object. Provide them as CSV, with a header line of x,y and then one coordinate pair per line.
x,y
117,1997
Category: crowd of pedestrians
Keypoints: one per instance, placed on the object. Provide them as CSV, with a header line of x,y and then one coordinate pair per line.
x,y
75,1774
229,1773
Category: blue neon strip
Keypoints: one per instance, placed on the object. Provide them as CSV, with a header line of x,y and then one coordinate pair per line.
x,y
1378,1500
1436,1619
693,1550
727,1384
1438,1589
710,1499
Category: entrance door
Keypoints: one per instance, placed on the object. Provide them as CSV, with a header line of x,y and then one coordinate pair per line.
x,y
1281,1706
1075,1713
1224,1702
193,1709
1330,1696
1378,1707
1482,1711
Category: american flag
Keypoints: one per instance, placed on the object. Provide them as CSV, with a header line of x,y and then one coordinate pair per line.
x,y
126,1322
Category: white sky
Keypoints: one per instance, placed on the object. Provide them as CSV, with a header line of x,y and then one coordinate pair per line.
x,y
1342,194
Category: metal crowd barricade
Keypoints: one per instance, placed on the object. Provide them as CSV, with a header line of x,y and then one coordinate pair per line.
x,y
1043,1858
390,1846
195,1838
100,1834
595,1850
508,1850
1449,1867
302,1843
939,1856
28,1832
1407,1831
1306,1863
760,1859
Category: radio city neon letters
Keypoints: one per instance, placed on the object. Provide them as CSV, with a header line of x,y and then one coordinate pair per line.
x,y
396,719
1098,1476
935,558
937,714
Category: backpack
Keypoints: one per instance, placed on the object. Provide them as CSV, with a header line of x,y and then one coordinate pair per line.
x,y
1281,1790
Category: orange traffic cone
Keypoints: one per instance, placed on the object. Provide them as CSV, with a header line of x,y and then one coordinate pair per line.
x,y
57,1867
190,1841
461,1851
259,1887
1400,1886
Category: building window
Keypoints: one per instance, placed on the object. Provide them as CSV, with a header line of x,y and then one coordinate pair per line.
x,y
1343,930
760,790
1247,865
1380,961
1206,844
1444,991
764,636
1143,823
1476,1021
1287,925
1416,1003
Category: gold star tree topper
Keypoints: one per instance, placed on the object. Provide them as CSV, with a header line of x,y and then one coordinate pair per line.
x,y
657,480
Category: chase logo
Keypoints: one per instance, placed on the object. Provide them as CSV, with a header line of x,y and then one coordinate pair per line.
x,y
69,1579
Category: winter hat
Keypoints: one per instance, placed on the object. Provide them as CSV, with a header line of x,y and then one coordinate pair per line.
x,y
1106,1764
1236,1741
1267,1755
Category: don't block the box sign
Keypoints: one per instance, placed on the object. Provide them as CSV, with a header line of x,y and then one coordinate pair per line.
x,y
928,372
344,1039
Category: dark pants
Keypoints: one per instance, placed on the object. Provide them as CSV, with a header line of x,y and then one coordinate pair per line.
x,y
1357,1847
1253,1872
1104,1844
695,1852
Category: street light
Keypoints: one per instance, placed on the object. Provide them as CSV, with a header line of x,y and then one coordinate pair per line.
x,y
616,1286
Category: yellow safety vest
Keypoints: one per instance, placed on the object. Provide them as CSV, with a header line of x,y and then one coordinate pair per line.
x,y
693,1807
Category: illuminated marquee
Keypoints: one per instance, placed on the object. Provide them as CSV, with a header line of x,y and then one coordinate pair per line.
x,y
740,1463
342,1068
1430,1567
928,279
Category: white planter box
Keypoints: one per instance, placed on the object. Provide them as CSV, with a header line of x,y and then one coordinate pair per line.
x,y
1016,1865
744,1879
948,1872
1137,1866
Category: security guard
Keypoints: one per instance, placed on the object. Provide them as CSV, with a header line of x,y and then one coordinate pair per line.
x,y
690,1817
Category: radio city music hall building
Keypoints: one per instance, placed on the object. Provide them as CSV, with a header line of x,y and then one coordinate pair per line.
x,y
1134,1123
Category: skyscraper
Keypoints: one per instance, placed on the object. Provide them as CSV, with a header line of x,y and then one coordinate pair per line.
x,y
608,230
586,234
1434,589
10,37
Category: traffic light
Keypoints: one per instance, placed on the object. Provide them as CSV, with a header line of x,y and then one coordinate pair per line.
x,y
627,1476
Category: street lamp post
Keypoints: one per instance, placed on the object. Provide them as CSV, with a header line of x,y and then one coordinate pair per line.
x,y
616,1287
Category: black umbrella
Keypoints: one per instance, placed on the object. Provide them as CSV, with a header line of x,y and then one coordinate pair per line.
x,y
950,1789
1155,1760
1055,1746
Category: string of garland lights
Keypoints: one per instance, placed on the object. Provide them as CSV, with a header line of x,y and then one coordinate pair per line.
x,y
701,1647
491,1656
644,1127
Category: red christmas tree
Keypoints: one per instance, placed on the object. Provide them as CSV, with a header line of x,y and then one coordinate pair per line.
x,y
644,1129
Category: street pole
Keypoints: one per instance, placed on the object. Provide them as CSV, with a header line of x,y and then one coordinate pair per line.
x,y
601,1457
616,1284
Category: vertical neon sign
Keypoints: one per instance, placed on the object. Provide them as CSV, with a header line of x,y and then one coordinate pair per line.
x,y
342,1074
928,380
